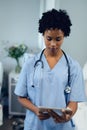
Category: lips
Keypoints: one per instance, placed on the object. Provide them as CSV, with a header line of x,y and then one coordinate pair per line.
x,y
53,49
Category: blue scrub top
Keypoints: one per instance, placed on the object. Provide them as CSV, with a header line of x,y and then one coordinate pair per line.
x,y
49,85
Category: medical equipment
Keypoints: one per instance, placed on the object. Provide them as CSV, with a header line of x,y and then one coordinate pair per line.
x,y
68,88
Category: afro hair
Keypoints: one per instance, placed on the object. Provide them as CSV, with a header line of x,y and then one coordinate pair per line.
x,y
53,19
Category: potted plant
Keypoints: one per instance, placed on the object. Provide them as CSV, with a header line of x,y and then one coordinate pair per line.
x,y
16,51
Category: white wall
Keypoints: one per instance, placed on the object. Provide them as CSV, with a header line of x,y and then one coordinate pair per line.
x,y
76,44
18,24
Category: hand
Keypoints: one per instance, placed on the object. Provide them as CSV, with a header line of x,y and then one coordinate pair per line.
x,y
42,115
66,115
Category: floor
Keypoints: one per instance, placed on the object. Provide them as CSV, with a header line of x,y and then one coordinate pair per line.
x,y
14,123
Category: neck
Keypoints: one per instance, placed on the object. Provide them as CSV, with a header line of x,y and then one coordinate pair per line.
x,y
47,53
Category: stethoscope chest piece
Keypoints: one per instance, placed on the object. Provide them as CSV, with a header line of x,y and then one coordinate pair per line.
x,y
68,89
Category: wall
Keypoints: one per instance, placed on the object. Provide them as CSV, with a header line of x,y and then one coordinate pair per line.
x,y
76,44
18,24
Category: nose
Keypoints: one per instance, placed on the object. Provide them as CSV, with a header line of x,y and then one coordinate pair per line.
x,y
53,43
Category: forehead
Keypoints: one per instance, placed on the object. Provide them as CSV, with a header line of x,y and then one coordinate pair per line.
x,y
54,32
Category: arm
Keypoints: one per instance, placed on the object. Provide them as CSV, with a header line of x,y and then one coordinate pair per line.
x,y
29,105
73,106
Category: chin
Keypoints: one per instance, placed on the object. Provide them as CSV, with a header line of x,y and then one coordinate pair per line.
x,y
53,51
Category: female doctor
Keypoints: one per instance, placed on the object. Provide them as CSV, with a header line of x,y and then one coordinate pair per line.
x,y
44,78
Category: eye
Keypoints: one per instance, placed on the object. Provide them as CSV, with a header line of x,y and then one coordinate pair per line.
x,y
58,39
49,38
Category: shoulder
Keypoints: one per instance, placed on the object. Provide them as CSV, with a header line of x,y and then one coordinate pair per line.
x,y
74,64
29,63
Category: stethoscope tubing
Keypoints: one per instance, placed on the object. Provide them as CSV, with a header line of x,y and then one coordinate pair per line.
x,y
68,88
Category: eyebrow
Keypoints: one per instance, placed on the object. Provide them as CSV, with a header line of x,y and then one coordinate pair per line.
x,y
56,37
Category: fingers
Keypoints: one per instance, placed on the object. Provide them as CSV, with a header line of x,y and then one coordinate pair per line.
x,y
53,113
68,117
43,116
64,117
67,113
57,118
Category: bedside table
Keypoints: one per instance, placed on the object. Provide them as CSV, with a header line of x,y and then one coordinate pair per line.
x,y
15,108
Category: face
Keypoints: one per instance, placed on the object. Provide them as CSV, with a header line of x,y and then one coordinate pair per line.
x,y
53,39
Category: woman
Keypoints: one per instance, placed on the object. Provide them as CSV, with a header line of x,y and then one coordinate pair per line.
x,y
45,77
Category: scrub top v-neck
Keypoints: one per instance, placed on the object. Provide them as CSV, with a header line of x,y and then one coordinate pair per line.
x,y
47,64
53,84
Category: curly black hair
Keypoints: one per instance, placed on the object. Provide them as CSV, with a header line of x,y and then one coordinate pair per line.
x,y
55,19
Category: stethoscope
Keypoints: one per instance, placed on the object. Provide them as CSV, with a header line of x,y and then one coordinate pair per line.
x,y
67,88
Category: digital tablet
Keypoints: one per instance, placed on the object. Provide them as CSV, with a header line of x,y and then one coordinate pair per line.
x,y
57,110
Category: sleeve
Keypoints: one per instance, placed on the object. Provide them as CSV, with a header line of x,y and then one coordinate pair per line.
x,y
77,84
21,87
